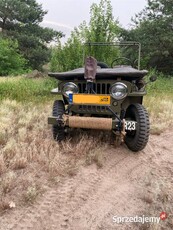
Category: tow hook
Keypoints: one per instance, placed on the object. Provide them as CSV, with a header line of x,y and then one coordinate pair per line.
x,y
120,135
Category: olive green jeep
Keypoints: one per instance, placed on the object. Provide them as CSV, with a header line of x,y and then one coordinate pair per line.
x,y
103,97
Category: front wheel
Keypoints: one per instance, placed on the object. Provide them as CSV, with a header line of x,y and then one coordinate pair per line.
x,y
137,140
58,111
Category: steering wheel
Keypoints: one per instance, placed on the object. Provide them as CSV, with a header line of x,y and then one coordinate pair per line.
x,y
121,58
135,63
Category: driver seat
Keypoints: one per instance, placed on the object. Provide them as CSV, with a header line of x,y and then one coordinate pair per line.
x,y
102,65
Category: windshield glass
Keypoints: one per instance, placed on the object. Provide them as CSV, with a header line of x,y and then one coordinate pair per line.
x,y
123,53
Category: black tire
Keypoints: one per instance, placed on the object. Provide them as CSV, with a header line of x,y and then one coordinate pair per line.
x,y
137,140
58,111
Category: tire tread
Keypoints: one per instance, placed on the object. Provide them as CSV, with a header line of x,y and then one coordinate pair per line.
x,y
142,134
58,110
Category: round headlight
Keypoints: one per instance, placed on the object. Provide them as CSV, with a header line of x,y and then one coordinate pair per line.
x,y
69,88
118,91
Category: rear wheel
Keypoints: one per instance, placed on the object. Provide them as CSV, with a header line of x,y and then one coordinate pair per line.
x,y
137,140
58,111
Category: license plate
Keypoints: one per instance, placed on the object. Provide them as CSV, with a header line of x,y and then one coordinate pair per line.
x,y
130,125
90,99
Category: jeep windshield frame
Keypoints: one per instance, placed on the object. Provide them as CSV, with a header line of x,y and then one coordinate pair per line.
x,y
115,44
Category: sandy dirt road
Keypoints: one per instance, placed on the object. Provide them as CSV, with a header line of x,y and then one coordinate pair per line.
x,y
90,199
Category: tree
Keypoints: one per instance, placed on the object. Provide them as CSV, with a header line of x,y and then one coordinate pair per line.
x,y
67,57
19,20
154,29
101,28
11,62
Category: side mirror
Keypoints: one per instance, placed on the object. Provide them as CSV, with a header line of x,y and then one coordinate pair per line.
x,y
153,78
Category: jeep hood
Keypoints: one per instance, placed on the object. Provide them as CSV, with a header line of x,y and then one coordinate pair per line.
x,y
126,73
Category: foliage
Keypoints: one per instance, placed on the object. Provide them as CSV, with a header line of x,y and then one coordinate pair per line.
x,y
162,86
153,28
11,62
38,90
101,28
26,90
69,56
19,19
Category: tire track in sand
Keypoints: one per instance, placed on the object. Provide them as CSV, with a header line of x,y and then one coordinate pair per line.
x,y
87,198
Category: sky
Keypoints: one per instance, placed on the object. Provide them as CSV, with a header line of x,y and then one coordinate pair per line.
x,y
64,15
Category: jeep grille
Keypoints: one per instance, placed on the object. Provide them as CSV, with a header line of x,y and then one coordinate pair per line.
x,y
93,109
99,88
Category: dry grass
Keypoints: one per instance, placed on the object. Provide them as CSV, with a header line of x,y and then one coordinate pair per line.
x,y
8,182
156,193
32,193
29,156
161,112
4,204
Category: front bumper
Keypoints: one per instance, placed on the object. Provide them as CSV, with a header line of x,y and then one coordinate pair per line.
x,y
87,122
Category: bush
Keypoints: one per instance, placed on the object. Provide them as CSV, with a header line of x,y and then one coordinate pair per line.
x,y
163,85
11,62
26,90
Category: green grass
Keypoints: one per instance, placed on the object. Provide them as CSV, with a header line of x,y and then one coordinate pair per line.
x,y
159,103
163,85
26,90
